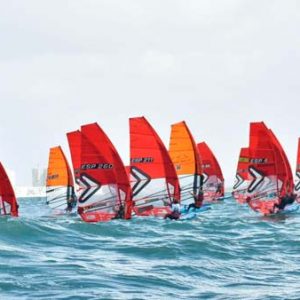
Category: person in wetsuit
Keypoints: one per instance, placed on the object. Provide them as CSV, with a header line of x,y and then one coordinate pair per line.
x,y
175,214
120,213
287,199
219,190
71,202
198,201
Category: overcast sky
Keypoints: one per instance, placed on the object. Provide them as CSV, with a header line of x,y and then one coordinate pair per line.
x,y
218,65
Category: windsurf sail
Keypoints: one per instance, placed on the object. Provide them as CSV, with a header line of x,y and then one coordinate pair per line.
x,y
74,140
268,169
263,138
105,192
60,185
242,177
153,177
297,183
288,183
186,159
8,201
213,180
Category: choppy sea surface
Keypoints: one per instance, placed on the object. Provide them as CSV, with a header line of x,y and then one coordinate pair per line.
x,y
228,252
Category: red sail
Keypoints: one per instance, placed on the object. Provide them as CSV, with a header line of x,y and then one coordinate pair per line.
x,y
262,138
242,179
8,201
104,183
297,183
153,176
288,184
74,140
213,183
268,169
263,188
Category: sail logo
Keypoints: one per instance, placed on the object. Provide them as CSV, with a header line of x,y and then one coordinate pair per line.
x,y
141,160
89,187
141,180
205,177
206,166
258,160
238,181
258,178
96,166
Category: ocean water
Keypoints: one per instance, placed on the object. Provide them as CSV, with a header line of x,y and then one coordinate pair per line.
x,y
228,252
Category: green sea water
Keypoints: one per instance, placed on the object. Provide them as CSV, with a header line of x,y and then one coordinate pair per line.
x,y
228,252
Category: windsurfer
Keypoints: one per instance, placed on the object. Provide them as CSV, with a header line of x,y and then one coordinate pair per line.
x,y
198,201
285,200
71,203
219,189
69,206
120,212
175,207
268,209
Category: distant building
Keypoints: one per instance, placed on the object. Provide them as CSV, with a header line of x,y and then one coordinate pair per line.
x,y
39,177
30,192
43,177
35,177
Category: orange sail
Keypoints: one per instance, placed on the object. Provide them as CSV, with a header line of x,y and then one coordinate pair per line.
x,y
8,201
213,183
186,159
60,184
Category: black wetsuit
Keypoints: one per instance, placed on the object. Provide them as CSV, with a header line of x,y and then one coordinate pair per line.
x,y
219,189
285,201
120,213
174,215
69,206
193,205
71,203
